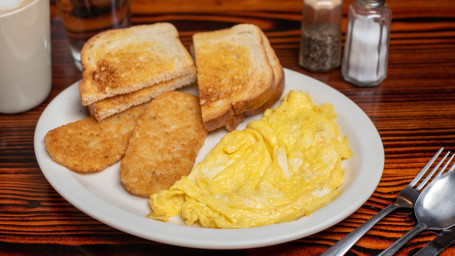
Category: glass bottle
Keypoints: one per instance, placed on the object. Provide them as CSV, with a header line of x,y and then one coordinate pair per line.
x,y
367,42
320,44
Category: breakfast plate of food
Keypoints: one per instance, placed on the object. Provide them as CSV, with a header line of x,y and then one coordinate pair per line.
x,y
102,196
234,152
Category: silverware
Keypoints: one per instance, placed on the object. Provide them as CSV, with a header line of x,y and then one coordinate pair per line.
x,y
405,199
434,209
439,244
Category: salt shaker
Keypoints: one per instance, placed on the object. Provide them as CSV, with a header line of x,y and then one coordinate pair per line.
x,y
367,42
320,44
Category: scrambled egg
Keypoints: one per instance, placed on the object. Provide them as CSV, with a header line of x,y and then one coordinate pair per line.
x,y
281,167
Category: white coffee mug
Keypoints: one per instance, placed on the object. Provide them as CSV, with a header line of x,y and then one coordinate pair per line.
x,y
25,55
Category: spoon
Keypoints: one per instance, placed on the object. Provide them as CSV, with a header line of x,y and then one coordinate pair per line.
x,y
434,209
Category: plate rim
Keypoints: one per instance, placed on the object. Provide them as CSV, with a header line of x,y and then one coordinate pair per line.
x,y
224,239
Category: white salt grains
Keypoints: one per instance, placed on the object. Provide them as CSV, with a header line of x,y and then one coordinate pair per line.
x,y
366,48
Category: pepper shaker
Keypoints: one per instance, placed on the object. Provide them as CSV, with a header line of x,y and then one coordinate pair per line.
x,y
367,42
320,44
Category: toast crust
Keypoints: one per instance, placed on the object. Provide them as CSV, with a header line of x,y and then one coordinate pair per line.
x,y
234,74
278,88
110,106
279,80
120,61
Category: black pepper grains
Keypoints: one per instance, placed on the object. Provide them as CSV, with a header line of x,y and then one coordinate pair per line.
x,y
320,46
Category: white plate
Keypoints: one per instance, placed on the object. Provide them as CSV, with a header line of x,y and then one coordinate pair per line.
x,y
102,196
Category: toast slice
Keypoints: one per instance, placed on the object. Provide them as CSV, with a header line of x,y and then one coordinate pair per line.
x,y
164,145
120,61
278,87
233,72
110,106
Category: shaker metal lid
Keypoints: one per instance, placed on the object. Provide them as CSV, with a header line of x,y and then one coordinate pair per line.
x,y
323,4
372,3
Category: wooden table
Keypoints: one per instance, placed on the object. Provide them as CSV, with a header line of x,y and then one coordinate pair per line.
x,y
413,110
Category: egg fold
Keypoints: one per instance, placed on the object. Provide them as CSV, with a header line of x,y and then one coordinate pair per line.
x,y
279,168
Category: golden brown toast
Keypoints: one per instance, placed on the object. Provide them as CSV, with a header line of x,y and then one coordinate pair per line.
x,y
120,61
278,88
234,73
278,78
90,146
109,106
164,145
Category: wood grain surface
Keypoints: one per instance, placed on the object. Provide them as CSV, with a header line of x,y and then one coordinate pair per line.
x,y
413,110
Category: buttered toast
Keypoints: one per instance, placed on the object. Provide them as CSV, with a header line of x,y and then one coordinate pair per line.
x,y
107,107
277,87
122,61
235,74
278,79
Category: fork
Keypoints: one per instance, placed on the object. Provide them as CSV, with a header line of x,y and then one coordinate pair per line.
x,y
406,198
435,210
441,242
